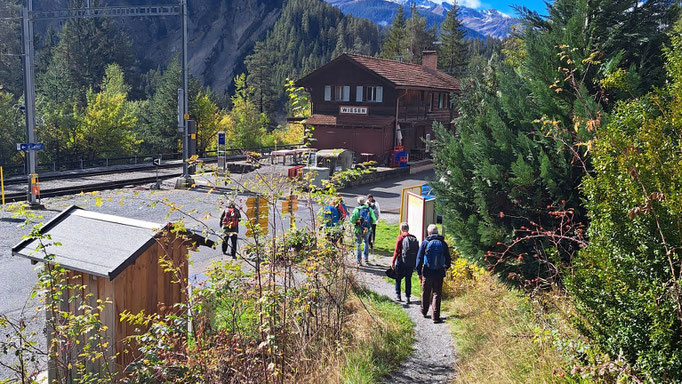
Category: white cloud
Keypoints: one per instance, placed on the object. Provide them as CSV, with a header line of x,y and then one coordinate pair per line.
x,y
470,3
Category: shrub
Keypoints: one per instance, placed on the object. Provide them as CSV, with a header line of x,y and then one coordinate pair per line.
x,y
627,281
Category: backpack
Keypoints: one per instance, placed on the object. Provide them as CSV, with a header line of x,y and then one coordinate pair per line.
x,y
434,257
342,211
230,220
410,246
331,216
365,219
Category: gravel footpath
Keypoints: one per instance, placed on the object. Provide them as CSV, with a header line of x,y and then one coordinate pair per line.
x,y
433,358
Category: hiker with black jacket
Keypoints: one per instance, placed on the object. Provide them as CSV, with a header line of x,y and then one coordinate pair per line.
x,y
433,259
404,259
229,221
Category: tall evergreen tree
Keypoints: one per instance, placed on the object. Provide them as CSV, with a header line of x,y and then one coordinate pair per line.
x,y
394,46
259,66
521,134
418,36
452,51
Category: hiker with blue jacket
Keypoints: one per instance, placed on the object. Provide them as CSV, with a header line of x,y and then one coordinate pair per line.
x,y
433,259
332,220
362,220
404,259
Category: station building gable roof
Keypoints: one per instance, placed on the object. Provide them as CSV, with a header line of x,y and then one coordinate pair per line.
x,y
401,75
91,242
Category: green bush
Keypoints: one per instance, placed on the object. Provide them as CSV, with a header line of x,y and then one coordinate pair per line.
x,y
627,281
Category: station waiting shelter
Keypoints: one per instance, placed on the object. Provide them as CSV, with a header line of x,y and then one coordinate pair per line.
x,y
116,259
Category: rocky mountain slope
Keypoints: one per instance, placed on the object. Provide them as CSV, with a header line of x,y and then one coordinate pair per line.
x,y
479,23
221,34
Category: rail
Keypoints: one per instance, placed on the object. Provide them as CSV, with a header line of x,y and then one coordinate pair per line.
x,y
144,159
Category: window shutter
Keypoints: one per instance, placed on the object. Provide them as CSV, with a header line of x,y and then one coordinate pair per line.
x,y
358,93
346,93
380,94
327,93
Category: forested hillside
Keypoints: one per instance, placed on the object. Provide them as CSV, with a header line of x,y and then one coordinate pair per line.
x,y
308,34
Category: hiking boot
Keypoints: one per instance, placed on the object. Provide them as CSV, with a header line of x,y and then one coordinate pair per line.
x,y
426,315
407,300
398,298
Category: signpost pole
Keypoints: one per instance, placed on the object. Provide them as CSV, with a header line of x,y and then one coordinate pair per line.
x,y
29,91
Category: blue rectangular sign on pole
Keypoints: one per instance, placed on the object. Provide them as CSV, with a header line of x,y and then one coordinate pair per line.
x,y
30,146
221,138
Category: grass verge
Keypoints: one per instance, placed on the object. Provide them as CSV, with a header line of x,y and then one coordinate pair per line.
x,y
503,336
383,336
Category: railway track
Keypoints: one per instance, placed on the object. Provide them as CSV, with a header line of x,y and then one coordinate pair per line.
x,y
96,186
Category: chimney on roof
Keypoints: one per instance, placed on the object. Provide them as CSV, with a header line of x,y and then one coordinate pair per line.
x,y
430,60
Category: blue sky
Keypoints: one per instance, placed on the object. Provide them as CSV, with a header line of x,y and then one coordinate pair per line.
x,y
504,5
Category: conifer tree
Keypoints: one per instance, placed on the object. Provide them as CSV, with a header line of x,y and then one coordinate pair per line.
x,y
419,37
520,141
394,45
452,50
259,66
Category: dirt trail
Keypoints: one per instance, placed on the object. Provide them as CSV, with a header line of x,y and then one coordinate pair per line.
x,y
433,358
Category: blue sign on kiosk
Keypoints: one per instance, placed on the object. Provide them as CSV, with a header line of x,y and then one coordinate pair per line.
x,y
221,138
30,146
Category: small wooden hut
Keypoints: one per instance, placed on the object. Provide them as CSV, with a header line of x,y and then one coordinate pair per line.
x,y
118,260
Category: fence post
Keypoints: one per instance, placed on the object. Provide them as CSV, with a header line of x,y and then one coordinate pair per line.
x,y
81,163
107,161
54,166
136,159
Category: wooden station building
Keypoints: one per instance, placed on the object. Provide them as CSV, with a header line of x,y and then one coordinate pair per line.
x,y
370,105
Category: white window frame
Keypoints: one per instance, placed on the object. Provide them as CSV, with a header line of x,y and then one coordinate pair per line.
x,y
327,93
374,94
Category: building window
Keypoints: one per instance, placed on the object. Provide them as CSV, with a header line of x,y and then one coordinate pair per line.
x,y
441,100
337,93
374,94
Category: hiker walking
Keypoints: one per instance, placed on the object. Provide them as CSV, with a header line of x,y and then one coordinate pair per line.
x,y
334,215
404,260
362,219
433,259
229,221
374,206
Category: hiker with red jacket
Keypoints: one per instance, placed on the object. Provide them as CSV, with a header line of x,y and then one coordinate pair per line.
x,y
229,221
433,259
404,260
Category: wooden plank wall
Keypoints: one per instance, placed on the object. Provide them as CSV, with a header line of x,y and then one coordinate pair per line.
x,y
145,286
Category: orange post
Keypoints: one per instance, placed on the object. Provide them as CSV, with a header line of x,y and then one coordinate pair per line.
x,y
2,186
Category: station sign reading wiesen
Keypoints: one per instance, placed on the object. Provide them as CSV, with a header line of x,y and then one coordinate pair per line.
x,y
350,110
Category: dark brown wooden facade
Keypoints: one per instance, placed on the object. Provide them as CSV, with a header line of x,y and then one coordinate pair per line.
x,y
366,104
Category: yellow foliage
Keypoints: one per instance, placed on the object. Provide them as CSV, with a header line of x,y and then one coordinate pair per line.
x,y
461,275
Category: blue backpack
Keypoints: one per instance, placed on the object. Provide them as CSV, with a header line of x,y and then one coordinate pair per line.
x,y
434,257
331,216
365,219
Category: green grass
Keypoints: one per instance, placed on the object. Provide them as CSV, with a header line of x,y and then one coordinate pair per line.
x,y
387,342
384,242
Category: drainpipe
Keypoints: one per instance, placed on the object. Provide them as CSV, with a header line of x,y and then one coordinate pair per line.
x,y
397,109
